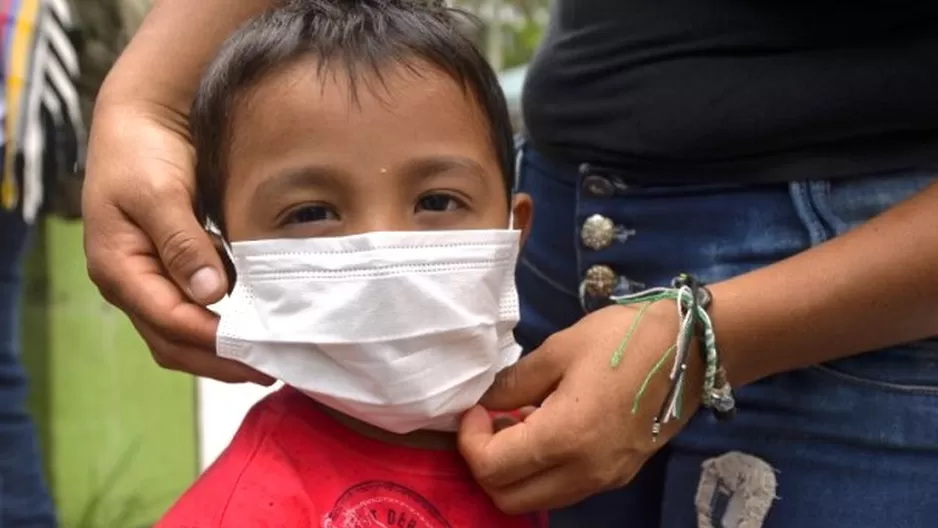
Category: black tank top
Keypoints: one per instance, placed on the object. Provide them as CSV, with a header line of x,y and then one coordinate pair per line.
x,y
691,91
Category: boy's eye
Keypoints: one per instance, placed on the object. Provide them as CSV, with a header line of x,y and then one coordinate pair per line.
x,y
438,203
311,213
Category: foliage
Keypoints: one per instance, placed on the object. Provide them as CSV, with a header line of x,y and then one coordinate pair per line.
x,y
521,23
106,26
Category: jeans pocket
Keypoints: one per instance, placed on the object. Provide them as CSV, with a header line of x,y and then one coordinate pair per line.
x,y
842,205
911,368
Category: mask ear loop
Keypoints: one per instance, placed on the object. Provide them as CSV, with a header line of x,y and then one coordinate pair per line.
x,y
519,162
228,260
223,248
229,253
224,252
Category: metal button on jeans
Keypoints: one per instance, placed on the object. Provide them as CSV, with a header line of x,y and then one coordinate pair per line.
x,y
597,232
600,280
591,303
598,186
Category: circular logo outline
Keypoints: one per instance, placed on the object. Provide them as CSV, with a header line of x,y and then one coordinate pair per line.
x,y
361,498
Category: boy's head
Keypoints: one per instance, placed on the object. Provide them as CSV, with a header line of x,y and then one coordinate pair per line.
x,y
336,117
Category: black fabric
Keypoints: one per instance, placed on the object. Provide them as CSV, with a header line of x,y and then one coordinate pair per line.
x,y
691,91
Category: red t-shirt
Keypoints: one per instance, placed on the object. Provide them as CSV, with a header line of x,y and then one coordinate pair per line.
x,y
290,465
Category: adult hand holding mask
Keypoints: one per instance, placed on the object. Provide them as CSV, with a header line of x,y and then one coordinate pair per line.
x,y
146,251
588,435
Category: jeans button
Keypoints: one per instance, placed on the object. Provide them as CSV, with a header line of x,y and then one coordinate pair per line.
x,y
600,280
598,186
597,232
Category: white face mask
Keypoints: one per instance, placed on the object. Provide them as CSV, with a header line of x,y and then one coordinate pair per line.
x,y
401,330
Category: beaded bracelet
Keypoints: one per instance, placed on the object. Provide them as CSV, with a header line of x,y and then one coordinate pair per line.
x,y
692,299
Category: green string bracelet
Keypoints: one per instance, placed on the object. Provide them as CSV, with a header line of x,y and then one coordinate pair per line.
x,y
692,300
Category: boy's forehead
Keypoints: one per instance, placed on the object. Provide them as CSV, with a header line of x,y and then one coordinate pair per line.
x,y
304,115
304,95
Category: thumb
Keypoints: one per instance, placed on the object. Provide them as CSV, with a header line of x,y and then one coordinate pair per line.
x,y
477,423
529,381
185,247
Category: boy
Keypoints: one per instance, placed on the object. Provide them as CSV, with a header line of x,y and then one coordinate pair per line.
x,y
357,158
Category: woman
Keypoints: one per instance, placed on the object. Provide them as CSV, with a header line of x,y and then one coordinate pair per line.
x,y
782,153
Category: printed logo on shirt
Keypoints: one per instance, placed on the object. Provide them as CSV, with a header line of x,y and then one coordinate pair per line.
x,y
381,504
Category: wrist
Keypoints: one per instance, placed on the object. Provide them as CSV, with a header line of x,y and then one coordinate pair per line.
x,y
667,356
114,113
741,367
762,329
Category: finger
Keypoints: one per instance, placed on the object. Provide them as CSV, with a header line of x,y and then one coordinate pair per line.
x,y
511,417
554,488
122,262
185,248
196,360
563,485
528,381
476,425
130,277
510,455
146,294
504,421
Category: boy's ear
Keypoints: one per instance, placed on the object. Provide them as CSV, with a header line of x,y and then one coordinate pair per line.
x,y
522,210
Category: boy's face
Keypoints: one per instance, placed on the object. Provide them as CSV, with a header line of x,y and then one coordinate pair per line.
x,y
309,159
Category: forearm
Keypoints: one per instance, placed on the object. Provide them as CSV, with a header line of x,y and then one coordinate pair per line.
x,y
871,288
164,60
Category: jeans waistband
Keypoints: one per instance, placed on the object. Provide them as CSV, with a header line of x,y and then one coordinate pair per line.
x,y
572,173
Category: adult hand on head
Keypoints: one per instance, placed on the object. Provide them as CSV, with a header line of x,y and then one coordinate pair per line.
x,y
146,251
584,438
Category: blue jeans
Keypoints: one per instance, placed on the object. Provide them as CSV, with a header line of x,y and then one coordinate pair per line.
x,y
849,443
24,497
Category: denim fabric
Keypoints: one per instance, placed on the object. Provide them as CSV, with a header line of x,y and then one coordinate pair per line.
x,y
24,498
850,443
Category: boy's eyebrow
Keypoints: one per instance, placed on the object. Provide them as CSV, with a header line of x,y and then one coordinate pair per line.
x,y
301,177
421,168
324,176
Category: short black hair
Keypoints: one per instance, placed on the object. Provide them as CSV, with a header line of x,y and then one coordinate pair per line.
x,y
361,36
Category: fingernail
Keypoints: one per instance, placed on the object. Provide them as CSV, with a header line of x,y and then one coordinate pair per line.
x,y
262,379
204,283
